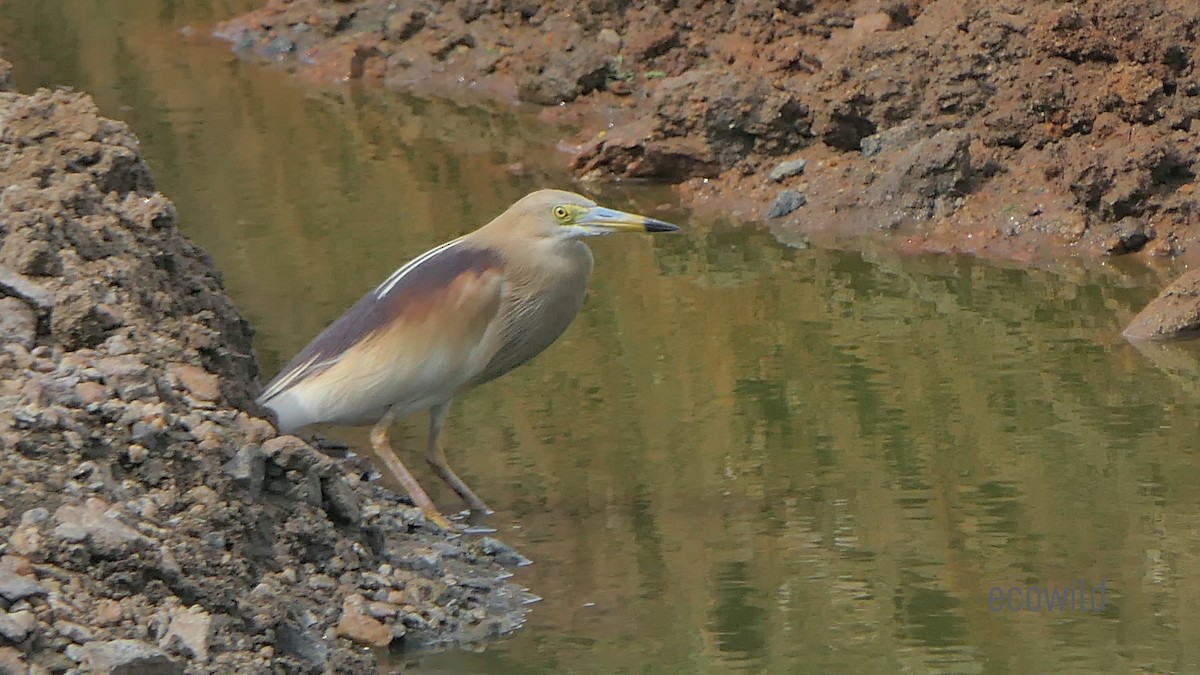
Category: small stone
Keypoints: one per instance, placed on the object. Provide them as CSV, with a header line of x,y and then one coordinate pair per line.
x,y
74,632
202,494
90,393
382,610
108,612
137,454
11,662
202,385
15,627
503,553
620,88
356,625
15,582
279,46
341,502
786,170
255,429
96,524
191,627
786,202
608,36
21,287
126,657
18,322
404,24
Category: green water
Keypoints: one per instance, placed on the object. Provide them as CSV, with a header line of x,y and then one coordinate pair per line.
x,y
743,457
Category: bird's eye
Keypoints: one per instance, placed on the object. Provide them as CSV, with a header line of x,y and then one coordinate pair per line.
x,y
560,212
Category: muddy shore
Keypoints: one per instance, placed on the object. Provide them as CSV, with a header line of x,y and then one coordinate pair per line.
x,y
1013,129
150,520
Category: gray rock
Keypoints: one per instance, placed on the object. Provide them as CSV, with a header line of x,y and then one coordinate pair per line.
x,y
785,170
786,202
18,323
14,587
245,41
191,627
1175,313
15,627
126,657
895,138
11,662
247,469
279,46
579,72
106,536
21,287
502,553
303,643
927,178
74,632
340,501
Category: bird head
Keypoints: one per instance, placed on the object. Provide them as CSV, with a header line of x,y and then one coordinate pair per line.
x,y
559,215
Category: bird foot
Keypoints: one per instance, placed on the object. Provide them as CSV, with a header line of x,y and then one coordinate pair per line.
x,y
441,521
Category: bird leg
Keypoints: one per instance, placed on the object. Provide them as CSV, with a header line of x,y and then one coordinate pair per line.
x,y
383,450
437,459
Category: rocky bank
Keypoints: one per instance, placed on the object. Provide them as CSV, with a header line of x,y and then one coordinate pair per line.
x,y
1013,128
150,520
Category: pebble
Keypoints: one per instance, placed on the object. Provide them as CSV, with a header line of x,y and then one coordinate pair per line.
x,y
96,524
279,46
136,454
16,626
108,612
18,322
786,202
786,170
125,657
503,553
74,632
90,392
358,626
16,582
11,662
191,627
203,385
608,36
22,287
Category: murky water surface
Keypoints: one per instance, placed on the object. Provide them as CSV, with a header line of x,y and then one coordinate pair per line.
x,y
743,457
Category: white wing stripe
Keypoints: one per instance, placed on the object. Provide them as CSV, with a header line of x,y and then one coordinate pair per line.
x,y
390,283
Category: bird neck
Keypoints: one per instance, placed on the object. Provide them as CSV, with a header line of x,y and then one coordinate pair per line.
x,y
549,262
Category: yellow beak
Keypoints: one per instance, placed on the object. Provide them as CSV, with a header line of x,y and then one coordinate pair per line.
x,y
603,220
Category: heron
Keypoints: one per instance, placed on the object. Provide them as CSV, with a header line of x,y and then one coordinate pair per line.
x,y
453,318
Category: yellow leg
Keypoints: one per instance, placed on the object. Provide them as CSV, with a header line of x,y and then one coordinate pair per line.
x,y
437,459
383,450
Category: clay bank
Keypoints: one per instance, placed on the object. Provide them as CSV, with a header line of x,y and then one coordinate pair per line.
x,y
1013,129
150,520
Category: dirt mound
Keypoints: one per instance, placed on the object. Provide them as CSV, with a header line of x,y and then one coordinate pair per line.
x,y
1071,123
147,520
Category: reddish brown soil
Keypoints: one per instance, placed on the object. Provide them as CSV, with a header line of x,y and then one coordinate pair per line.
x,y
1001,127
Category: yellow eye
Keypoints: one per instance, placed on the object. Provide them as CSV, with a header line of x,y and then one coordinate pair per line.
x,y
560,212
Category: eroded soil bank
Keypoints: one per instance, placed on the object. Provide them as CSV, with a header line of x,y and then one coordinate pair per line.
x,y
1011,128
150,521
